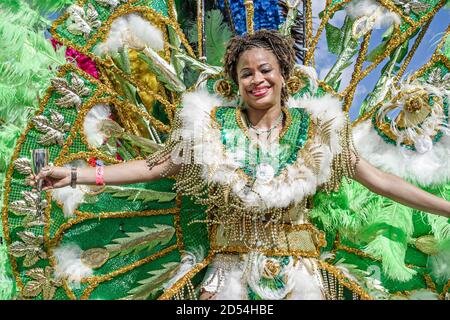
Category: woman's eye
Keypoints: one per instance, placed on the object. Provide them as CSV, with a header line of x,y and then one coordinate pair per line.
x,y
266,70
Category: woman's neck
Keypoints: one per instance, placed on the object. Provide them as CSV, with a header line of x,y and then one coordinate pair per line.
x,y
263,119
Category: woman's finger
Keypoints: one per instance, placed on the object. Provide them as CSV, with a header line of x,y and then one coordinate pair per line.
x,y
45,171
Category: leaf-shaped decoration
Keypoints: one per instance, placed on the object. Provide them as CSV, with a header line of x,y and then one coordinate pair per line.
x,y
41,123
154,282
30,208
23,166
71,94
57,119
324,130
412,5
30,248
108,3
144,195
43,282
77,24
95,258
78,85
91,16
81,22
312,158
53,130
438,79
162,69
135,242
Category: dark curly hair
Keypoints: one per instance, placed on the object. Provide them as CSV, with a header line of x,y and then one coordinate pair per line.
x,y
282,47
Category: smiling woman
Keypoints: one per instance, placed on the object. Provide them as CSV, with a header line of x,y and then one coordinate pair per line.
x,y
258,186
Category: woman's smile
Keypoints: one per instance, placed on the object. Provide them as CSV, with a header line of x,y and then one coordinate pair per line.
x,y
260,79
260,91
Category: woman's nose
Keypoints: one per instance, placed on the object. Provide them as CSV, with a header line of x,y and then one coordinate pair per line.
x,y
258,78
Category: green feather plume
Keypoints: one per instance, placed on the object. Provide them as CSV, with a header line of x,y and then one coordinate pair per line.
x,y
440,263
7,285
381,225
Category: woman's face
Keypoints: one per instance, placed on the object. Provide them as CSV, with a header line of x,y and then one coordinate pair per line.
x,y
259,78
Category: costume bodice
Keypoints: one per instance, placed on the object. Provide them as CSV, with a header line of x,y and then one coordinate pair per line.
x,y
254,194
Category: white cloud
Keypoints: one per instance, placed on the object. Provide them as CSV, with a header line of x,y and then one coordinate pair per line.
x,y
361,90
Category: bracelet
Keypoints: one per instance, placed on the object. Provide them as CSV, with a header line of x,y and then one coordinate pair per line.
x,y
73,177
99,175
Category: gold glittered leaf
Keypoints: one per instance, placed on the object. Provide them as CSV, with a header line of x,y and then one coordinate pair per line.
x,y
43,282
108,3
29,207
71,93
78,86
145,239
312,158
23,166
31,247
91,16
32,289
81,22
53,129
324,130
41,123
154,282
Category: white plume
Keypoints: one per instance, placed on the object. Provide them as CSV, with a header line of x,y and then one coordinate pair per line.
x,y
384,18
70,197
432,167
69,265
131,24
234,288
92,123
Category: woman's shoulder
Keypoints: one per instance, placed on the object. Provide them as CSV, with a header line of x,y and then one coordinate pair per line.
x,y
322,109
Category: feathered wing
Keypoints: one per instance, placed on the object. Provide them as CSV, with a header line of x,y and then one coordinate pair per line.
x,y
133,232
410,247
23,82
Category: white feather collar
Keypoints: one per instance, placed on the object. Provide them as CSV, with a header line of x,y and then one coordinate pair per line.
x,y
292,185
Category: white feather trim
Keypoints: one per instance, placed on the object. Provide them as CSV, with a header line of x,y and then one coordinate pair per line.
x,y
432,167
70,197
301,284
135,25
280,191
306,286
359,8
234,288
92,122
68,264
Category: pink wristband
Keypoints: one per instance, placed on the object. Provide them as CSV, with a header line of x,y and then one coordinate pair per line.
x,y
99,175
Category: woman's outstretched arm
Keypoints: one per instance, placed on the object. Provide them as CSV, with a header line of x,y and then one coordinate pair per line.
x,y
133,171
397,189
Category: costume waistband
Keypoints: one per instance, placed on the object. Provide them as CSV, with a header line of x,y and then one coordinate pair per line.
x,y
303,240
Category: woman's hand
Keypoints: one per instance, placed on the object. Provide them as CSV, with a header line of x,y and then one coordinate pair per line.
x,y
52,177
